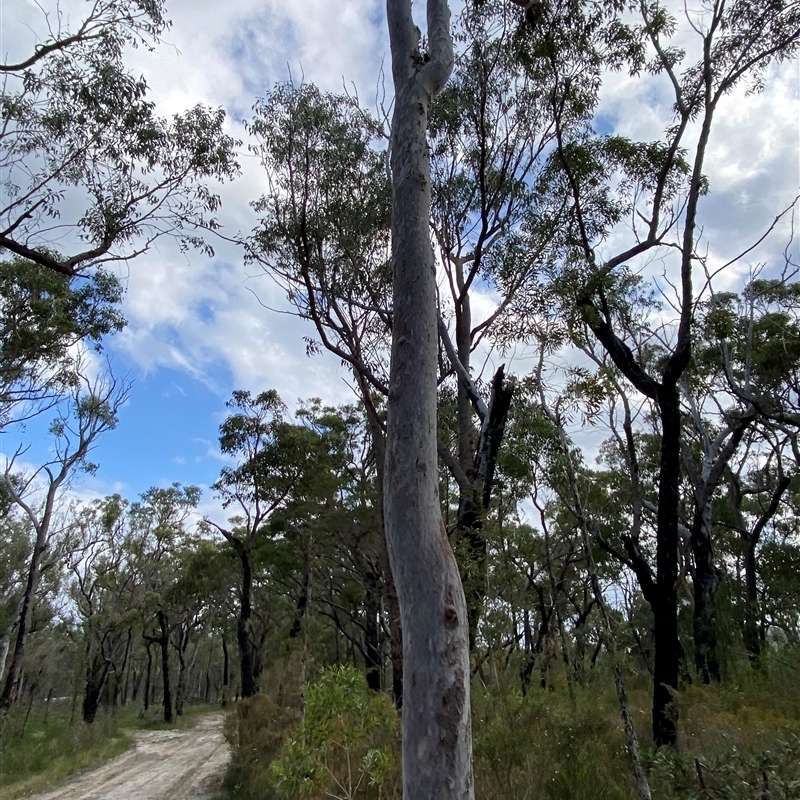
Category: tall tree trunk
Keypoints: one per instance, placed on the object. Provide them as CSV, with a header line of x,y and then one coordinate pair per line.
x,y
474,500
226,675
372,610
302,602
437,741
717,453
163,643
243,625
750,539
665,609
147,680
705,583
5,639
752,639
97,669
390,591
14,672
180,691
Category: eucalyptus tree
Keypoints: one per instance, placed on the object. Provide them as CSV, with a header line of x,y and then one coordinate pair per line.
x,y
105,591
324,237
159,534
437,740
279,465
490,131
758,484
327,246
44,315
657,187
744,371
87,414
88,165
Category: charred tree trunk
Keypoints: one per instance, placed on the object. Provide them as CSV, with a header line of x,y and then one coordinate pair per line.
x,y
147,680
750,538
225,672
97,668
14,672
472,510
180,690
706,579
163,643
372,611
476,465
437,741
665,610
96,674
706,576
390,591
243,625
302,603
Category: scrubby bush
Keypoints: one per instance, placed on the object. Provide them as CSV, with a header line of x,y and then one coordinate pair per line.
x,y
345,746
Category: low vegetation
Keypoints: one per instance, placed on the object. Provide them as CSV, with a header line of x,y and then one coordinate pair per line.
x,y
740,739
44,747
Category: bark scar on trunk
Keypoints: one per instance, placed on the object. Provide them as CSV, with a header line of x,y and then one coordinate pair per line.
x,y
451,713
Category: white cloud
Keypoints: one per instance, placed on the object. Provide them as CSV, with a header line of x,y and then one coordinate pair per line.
x,y
200,315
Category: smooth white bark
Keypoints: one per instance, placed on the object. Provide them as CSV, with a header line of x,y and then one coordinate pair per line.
x,y
437,742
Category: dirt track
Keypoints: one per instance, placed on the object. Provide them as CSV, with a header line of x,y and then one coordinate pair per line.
x,y
163,765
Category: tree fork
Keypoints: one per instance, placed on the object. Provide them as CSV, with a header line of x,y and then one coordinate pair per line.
x,y
437,743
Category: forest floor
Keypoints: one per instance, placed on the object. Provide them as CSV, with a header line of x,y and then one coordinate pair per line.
x,y
162,765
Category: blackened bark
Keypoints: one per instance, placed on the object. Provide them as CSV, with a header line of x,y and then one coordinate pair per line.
x,y
665,611
147,680
163,643
243,625
474,500
706,576
14,672
180,690
302,604
97,669
706,579
225,672
752,611
372,609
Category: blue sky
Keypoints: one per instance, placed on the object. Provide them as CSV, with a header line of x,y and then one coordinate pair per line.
x,y
198,327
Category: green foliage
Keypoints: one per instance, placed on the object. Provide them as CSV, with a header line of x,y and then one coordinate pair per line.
x,y
42,314
543,745
324,229
258,729
345,745
75,119
740,740
772,772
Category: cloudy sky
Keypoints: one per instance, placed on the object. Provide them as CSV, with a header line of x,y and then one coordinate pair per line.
x,y
198,327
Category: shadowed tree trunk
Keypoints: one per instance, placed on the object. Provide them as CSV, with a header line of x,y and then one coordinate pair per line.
x,y
163,643
162,640
225,672
371,644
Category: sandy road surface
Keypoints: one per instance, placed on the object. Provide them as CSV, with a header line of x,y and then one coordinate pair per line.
x,y
163,765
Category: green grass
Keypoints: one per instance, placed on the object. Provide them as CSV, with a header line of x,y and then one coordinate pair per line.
x,y
39,755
